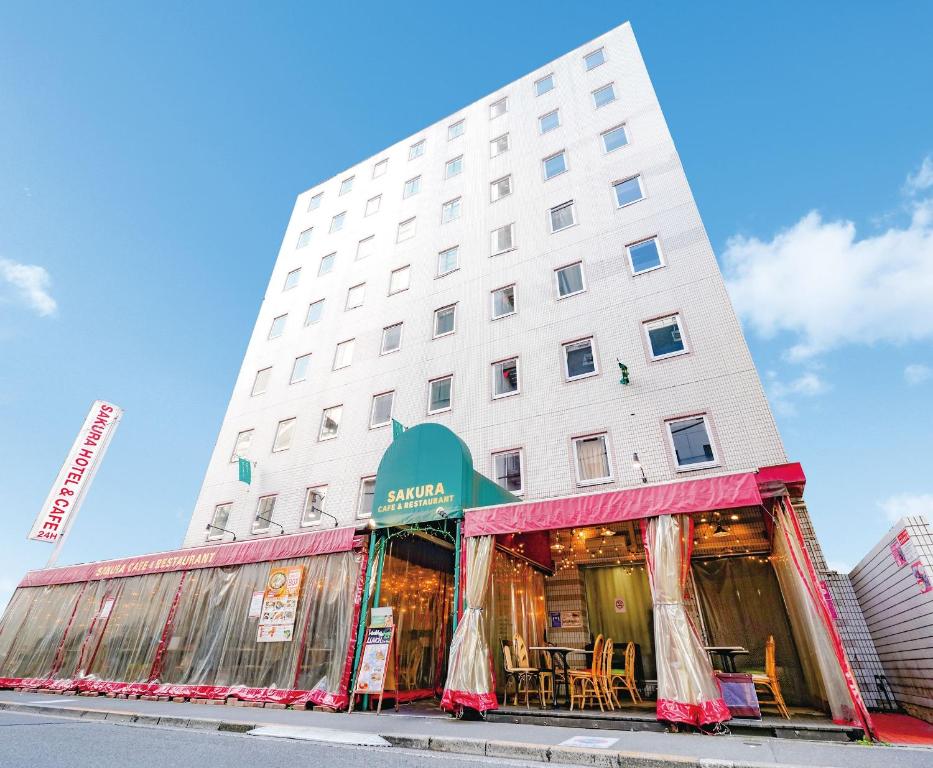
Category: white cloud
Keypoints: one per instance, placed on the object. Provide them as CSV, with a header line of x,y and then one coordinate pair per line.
x,y
817,282
31,282
907,505
917,373
784,394
922,179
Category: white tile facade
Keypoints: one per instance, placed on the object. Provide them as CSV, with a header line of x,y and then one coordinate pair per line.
x,y
716,376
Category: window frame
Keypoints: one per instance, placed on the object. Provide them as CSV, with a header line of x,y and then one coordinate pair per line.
x,y
362,293
360,496
304,238
453,330
378,199
414,230
262,526
582,279
315,303
392,273
518,377
542,131
586,64
302,522
566,362
493,187
574,441
314,202
278,430
344,189
662,262
416,150
494,143
628,139
362,245
610,85
337,347
504,100
538,91
571,204
512,247
337,219
544,160
431,383
452,126
213,534
641,188
447,174
333,257
438,272
492,302
291,378
372,410
415,181
284,319
521,468
235,453
384,164
710,433
268,371
681,329
320,432
459,205
382,345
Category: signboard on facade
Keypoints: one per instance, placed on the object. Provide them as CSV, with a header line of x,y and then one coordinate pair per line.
x,y
375,660
77,473
255,604
571,619
620,605
554,619
280,604
902,549
924,582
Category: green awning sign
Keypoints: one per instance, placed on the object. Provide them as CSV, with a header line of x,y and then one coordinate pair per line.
x,y
246,471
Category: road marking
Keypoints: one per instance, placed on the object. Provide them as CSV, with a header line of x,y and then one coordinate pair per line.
x,y
330,735
593,742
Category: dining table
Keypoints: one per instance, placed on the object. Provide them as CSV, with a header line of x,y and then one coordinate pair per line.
x,y
726,654
559,654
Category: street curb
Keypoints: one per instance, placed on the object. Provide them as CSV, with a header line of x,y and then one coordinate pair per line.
x,y
514,750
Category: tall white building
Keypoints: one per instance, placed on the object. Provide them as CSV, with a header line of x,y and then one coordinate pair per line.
x,y
488,273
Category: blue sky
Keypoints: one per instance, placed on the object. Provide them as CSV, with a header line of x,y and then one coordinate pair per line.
x,y
150,157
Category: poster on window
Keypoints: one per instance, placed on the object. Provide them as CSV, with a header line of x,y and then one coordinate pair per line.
x,y
921,576
280,604
902,549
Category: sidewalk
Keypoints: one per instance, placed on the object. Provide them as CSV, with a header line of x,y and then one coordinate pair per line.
x,y
631,749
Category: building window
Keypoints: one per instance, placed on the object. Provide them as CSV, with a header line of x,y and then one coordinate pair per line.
x,y
503,239
372,205
314,505
614,138
346,185
445,320
562,216
455,129
399,280
261,382
690,439
291,279
219,521
503,302
448,261
628,191
549,122
391,339
570,280
555,165
498,108
499,145
330,422
594,59
440,394
416,150
366,247
406,230
380,168
278,326
327,264
505,378
453,167
412,187
241,446
644,256
544,85
580,359
591,459
381,413
367,497
304,238
500,188
343,354
264,510
283,435
300,369
665,337
315,202
603,96
507,469
450,211
315,311
336,223
355,296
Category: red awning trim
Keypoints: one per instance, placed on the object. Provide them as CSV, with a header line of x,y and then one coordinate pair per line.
x,y
772,481
216,556
683,498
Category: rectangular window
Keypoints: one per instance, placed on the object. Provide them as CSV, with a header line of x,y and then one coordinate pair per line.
x,y
278,326
628,191
500,188
381,413
453,167
499,145
283,435
343,354
264,510
665,337
498,108
406,230
450,211
569,280
549,122
544,85
594,59
300,369
440,393
346,185
330,422
603,96
505,378
291,279
503,239
336,223
304,238
315,202
241,446
507,469
391,339
327,264
355,296
412,187
644,256
366,247
591,459
445,320
503,302
367,496
614,138
690,438
261,382
315,311
416,150
380,168
579,359
555,165
448,261
372,205
562,216
219,521
455,129
314,505
399,280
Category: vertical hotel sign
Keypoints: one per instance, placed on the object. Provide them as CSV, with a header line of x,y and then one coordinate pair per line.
x,y
77,473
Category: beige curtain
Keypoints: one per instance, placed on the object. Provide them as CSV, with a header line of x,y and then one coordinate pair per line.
x,y
688,691
469,677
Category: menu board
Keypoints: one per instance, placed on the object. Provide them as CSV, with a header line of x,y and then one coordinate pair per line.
x,y
374,661
280,604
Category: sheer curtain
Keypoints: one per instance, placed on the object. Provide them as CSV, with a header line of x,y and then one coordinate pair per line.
x,y
687,688
591,455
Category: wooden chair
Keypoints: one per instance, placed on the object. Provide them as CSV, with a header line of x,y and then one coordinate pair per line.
x,y
605,670
548,677
524,679
768,680
589,680
624,679
522,661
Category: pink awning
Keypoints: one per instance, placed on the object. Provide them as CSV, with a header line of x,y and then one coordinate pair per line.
x,y
687,497
234,553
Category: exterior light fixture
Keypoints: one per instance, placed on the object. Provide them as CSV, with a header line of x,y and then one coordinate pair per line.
x,y
636,465
218,528
721,530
